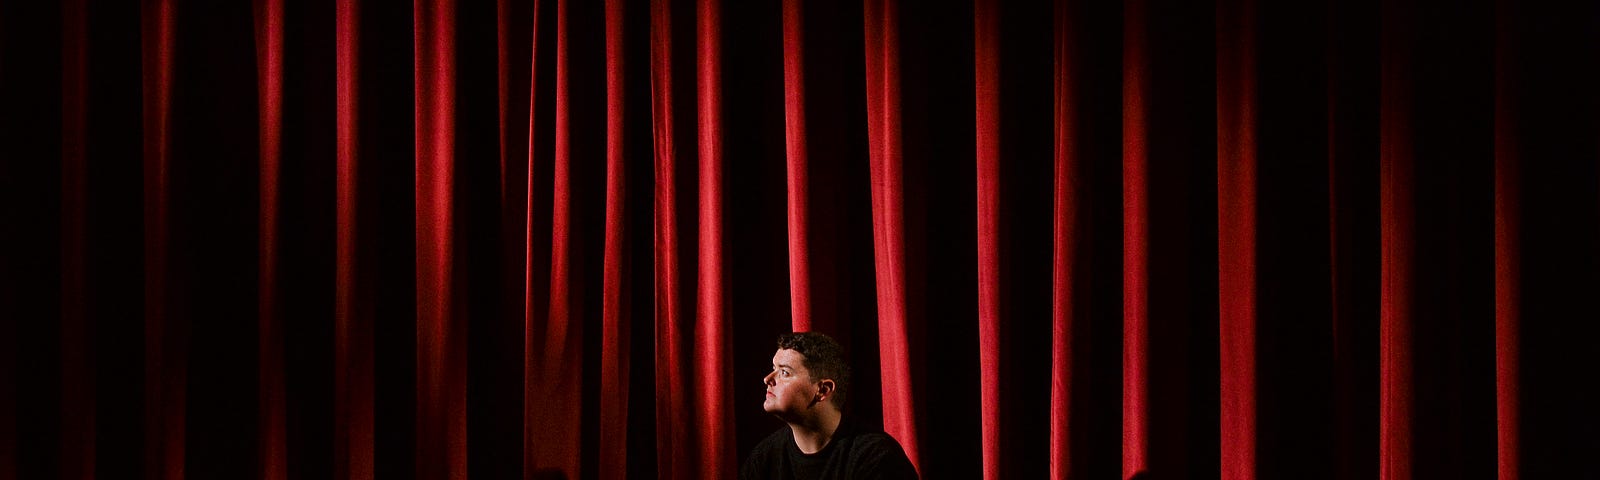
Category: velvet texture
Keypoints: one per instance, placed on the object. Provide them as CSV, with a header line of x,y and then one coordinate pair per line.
x,y
1237,239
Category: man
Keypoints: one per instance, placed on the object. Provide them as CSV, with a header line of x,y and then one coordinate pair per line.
x,y
806,390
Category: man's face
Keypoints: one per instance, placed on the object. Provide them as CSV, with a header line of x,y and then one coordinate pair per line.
x,y
790,388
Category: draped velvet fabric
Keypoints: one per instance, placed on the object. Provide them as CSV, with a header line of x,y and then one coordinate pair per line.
x,y
285,239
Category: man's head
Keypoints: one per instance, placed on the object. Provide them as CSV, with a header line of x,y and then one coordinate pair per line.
x,y
808,371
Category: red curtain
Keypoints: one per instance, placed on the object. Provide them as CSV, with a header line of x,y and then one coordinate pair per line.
x,y
557,238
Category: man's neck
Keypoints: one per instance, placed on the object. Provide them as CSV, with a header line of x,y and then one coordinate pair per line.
x,y
814,433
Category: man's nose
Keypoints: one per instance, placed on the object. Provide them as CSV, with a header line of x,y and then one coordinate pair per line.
x,y
767,380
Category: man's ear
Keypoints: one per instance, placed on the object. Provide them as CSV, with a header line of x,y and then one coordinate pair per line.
x,y
825,389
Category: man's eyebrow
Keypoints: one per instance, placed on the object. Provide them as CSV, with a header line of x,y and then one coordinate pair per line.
x,y
782,365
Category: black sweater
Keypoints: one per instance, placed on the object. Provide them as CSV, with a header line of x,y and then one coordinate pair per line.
x,y
851,454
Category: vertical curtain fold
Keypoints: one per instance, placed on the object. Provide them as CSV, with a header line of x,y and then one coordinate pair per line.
x,y
514,78
1135,240
1546,180
881,22
270,382
515,39
533,319
713,361
797,174
353,382
1236,230
986,88
441,332
1507,263
558,412
164,361
1437,321
673,436
1067,240
1397,210
614,331
504,64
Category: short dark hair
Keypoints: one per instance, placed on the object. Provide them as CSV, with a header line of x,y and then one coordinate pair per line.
x,y
824,358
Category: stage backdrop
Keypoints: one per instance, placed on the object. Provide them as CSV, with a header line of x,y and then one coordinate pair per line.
x,y
352,239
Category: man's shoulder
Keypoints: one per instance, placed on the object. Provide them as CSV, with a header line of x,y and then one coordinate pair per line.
x,y
875,440
774,443
766,454
874,436
778,437
877,454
